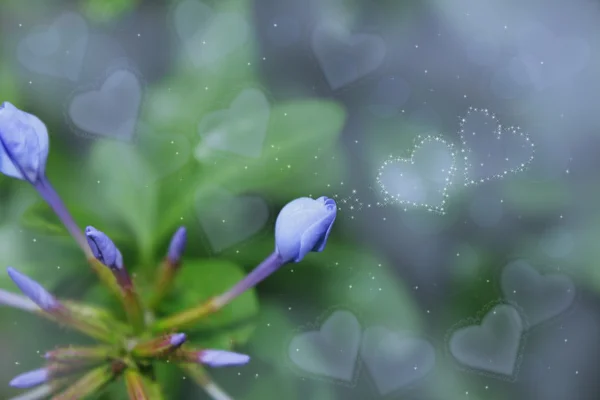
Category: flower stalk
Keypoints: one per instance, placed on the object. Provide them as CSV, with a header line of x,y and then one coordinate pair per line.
x,y
81,355
105,251
201,377
91,382
136,387
158,347
169,267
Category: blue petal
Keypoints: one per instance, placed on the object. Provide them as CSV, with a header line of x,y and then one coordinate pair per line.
x,y
177,339
33,290
30,379
103,248
23,144
303,225
177,245
222,358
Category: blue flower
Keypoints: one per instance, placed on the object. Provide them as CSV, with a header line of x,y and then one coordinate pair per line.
x,y
23,144
302,226
104,249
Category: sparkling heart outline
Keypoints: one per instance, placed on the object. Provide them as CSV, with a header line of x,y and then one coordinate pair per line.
x,y
471,321
543,272
499,132
316,326
410,335
96,85
391,199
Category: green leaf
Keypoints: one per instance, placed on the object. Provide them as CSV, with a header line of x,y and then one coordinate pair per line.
x,y
197,281
41,218
125,191
107,10
297,131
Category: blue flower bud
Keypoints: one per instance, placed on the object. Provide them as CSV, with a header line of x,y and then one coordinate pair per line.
x,y
103,248
23,144
30,379
222,358
33,290
303,225
177,245
177,339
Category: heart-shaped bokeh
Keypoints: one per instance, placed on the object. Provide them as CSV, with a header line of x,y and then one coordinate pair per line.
x,y
346,57
109,111
493,346
421,180
395,360
241,129
208,36
228,219
56,50
540,297
330,352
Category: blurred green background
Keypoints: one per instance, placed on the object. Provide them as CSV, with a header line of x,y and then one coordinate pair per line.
x,y
408,271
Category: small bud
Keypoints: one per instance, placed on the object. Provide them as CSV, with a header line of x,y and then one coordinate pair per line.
x,y
302,226
177,246
23,144
160,346
213,358
103,248
222,358
30,379
34,291
47,374
177,339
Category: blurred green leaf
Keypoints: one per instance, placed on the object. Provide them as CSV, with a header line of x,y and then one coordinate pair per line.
x,y
197,281
124,188
107,10
297,131
41,218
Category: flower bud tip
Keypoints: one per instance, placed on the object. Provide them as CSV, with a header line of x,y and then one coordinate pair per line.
x,y
30,379
222,358
177,245
33,290
177,339
103,248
